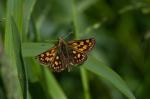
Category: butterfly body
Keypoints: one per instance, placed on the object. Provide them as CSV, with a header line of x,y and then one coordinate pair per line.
x,y
64,55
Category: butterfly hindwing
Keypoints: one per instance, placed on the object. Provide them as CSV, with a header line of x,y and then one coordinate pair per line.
x,y
77,57
57,64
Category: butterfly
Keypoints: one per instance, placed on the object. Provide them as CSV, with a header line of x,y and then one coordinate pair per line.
x,y
65,55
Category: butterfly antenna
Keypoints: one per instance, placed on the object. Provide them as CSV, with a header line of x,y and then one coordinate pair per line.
x,y
67,35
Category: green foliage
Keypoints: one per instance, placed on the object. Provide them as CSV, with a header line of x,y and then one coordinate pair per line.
x,y
117,68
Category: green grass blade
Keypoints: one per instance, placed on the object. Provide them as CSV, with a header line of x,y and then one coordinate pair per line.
x,y
13,33
99,68
19,60
10,72
53,87
28,8
85,83
33,49
15,9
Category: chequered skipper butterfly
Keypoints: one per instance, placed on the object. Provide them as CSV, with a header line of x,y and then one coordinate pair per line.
x,y
64,55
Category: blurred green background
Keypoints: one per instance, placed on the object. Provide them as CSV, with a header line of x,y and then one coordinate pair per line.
x,y
117,68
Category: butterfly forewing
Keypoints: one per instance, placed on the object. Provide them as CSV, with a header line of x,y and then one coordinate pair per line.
x,y
83,46
48,56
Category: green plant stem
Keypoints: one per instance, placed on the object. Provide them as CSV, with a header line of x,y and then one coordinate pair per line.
x,y
83,73
85,83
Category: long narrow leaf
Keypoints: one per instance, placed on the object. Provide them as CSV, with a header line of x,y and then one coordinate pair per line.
x,y
94,66
10,72
99,68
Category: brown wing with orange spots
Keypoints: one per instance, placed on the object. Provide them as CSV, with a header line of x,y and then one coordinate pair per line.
x,y
79,51
48,56
77,57
82,46
58,64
